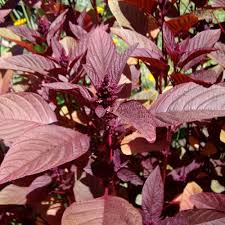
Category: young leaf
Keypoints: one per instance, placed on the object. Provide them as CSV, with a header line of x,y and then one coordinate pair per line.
x,y
188,102
55,26
40,149
152,197
100,55
133,113
108,210
209,201
22,112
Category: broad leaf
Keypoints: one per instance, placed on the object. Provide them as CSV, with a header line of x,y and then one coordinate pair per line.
x,y
40,149
107,210
28,63
152,197
196,217
188,102
133,113
21,112
209,201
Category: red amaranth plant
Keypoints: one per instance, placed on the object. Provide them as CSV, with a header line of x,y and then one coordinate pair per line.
x,y
84,139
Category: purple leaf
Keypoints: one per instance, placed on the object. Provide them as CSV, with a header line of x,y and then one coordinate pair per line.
x,y
28,63
169,40
66,86
77,30
128,175
209,201
118,64
132,38
100,55
3,14
101,211
219,55
218,4
133,113
22,112
196,217
40,149
25,32
188,102
152,197
205,39
200,44
55,26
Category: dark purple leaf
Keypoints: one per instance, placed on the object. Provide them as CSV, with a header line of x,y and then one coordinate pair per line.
x,y
152,197
66,86
101,53
127,175
56,26
135,114
169,41
209,201
40,149
118,65
188,102
28,63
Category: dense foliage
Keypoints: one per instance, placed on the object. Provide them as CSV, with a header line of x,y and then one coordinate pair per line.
x,y
112,112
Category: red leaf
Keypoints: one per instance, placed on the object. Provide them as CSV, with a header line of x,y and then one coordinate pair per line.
x,y
40,149
145,5
182,23
152,197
